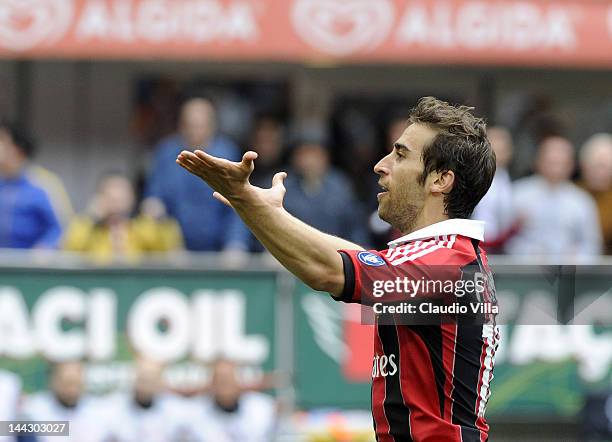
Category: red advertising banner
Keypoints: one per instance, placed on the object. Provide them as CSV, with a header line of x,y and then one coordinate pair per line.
x,y
501,32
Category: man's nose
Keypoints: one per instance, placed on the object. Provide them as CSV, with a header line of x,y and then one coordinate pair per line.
x,y
381,168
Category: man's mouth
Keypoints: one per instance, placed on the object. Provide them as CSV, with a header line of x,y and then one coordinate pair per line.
x,y
383,191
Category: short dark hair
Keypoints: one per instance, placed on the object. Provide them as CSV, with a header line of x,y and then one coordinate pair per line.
x,y
19,136
461,146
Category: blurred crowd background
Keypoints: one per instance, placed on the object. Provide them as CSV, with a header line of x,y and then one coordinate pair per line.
x,y
551,197
221,410
87,168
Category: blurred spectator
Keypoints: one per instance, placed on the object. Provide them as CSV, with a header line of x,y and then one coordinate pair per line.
x,y
496,207
10,391
140,414
395,128
149,413
557,217
321,195
109,232
532,117
359,153
155,109
27,217
243,416
39,176
207,224
596,172
67,402
267,141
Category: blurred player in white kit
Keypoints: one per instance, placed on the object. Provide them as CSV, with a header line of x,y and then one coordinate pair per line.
x,y
10,391
66,401
243,416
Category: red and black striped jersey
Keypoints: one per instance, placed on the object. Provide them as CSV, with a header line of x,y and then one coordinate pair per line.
x,y
431,372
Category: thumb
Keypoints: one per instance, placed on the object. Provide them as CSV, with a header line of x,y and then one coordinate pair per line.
x,y
248,160
221,198
278,179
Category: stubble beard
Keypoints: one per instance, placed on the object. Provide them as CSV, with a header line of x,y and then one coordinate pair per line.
x,y
402,215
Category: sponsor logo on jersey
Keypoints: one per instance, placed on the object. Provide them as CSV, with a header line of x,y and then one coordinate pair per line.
x,y
384,365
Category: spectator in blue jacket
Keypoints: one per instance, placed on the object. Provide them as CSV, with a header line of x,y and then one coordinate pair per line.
x,y
207,224
27,218
321,195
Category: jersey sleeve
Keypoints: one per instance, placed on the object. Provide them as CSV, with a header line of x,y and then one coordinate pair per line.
x,y
370,277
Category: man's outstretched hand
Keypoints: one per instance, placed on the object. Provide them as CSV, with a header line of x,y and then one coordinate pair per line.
x,y
230,180
309,254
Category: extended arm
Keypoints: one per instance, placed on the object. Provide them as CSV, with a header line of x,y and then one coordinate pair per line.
x,y
309,254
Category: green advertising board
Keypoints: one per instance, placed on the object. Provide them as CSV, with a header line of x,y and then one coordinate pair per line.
x,y
107,316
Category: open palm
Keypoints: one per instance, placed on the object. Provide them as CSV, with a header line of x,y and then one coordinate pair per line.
x,y
230,180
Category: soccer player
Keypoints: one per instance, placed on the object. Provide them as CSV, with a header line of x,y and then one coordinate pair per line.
x,y
242,416
430,382
10,392
67,401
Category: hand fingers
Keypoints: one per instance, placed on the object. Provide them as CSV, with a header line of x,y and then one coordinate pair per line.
x,y
188,158
183,158
186,165
278,179
189,165
248,158
195,164
208,159
185,154
221,198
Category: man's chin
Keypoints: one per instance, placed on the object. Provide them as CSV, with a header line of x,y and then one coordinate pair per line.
x,y
382,213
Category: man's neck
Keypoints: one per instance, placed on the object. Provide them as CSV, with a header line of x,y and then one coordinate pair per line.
x,y
553,184
426,218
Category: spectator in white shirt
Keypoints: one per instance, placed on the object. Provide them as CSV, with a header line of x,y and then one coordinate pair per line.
x,y
243,416
10,391
139,414
150,413
558,218
496,207
66,402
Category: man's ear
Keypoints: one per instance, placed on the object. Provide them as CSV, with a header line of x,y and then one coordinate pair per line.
x,y
443,182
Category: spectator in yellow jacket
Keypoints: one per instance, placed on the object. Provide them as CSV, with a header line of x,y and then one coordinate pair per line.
x,y
109,232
